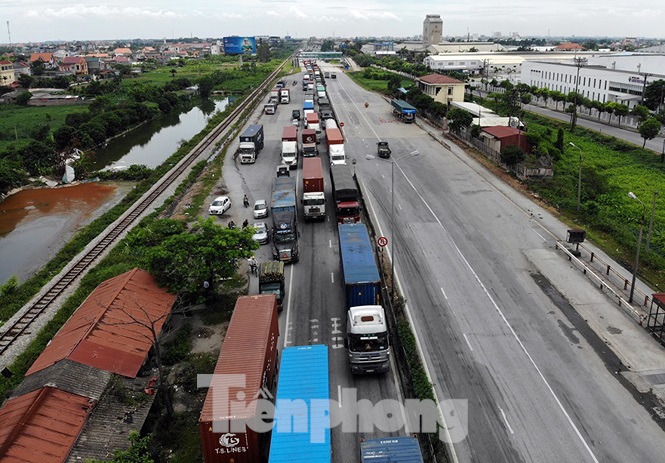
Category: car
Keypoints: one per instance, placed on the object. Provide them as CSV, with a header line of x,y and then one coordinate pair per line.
x,y
261,233
295,114
260,209
219,205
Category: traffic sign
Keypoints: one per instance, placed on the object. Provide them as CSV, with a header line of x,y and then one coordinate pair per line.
x,y
382,241
341,124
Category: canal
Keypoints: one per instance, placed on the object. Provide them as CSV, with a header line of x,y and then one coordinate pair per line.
x,y
36,223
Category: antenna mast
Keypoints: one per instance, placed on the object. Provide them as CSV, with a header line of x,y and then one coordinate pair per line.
x,y
9,33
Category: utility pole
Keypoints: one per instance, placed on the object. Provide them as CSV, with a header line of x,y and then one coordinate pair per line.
x,y
644,84
579,62
9,33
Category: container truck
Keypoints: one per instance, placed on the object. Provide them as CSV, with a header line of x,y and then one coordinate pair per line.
x,y
312,122
308,138
249,349
285,246
403,449
251,143
335,142
403,110
274,93
303,385
345,194
271,280
284,95
308,104
313,197
366,326
290,146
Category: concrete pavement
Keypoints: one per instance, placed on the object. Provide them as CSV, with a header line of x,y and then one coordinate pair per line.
x,y
598,298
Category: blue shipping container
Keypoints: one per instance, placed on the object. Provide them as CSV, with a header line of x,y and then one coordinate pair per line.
x,y
303,378
284,195
391,450
361,274
308,105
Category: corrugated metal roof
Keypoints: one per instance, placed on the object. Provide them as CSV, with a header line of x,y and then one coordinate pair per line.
x,y
67,376
106,331
439,79
244,350
391,449
502,132
41,426
358,263
304,377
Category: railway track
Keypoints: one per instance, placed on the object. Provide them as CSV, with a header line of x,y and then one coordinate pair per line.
x,y
14,330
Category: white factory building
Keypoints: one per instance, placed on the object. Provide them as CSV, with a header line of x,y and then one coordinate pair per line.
x,y
616,77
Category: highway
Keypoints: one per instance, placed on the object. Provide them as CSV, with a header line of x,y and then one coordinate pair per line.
x,y
536,390
314,308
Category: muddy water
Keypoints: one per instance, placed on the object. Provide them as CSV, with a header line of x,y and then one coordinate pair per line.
x,y
36,223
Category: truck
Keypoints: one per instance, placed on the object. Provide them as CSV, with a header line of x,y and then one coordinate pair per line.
x,y
308,137
284,95
274,93
251,143
290,146
402,449
403,110
366,326
271,280
308,104
285,245
312,122
299,434
345,194
249,350
313,197
335,142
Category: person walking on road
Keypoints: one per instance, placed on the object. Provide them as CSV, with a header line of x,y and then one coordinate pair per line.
x,y
253,265
245,201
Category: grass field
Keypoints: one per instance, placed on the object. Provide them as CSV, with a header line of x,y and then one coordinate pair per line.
x,y
374,85
17,122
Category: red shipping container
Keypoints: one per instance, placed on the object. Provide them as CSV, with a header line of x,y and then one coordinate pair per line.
x,y
334,137
308,136
290,133
312,175
249,351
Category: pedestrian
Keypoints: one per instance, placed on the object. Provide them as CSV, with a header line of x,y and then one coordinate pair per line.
x,y
253,265
245,201
245,224
232,224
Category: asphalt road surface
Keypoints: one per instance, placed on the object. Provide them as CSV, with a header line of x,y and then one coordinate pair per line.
x,y
536,390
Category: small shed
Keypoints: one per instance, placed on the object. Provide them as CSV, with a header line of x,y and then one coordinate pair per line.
x,y
499,138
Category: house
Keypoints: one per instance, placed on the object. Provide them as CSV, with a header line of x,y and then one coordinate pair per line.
x,y
442,88
76,65
7,73
499,138
47,58
122,52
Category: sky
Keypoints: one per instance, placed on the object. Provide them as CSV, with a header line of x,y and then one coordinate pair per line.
x,y
43,20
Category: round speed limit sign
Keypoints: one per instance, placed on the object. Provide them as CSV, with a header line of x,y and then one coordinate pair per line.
x,y
382,241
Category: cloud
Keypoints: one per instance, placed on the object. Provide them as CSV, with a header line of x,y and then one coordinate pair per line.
x,y
82,11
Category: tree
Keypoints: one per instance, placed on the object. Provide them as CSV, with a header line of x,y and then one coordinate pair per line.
x,y
263,52
139,451
208,252
512,155
620,110
641,112
37,68
23,98
654,95
459,118
649,129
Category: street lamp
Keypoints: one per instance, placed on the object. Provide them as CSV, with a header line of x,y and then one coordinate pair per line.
x,y
579,177
639,245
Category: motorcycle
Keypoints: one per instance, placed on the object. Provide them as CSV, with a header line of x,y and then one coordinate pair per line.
x,y
366,104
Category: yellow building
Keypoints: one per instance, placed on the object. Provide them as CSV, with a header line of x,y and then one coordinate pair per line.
x,y
442,88
7,74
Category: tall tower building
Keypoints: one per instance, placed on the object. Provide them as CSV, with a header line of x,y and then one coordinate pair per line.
x,y
432,30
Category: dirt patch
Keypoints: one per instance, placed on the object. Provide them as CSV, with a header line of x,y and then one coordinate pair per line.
x,y
207,338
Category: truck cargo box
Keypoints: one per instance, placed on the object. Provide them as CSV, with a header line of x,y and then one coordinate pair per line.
x,y
312,175
334,137
361,275
290,133
249,349
390,450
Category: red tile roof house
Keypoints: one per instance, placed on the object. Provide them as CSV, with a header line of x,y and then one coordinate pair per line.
x,y
60,412
499,137
76,65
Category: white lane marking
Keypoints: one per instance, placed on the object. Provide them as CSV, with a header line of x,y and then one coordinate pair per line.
x,y
444,294
541,236
505,320
330,243
467,341
288,307
506,420
332,277
339,395
399,205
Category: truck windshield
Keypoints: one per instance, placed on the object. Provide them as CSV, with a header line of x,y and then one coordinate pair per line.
x,y
348,211
270,288
246,150
315,202
368,342
283,237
